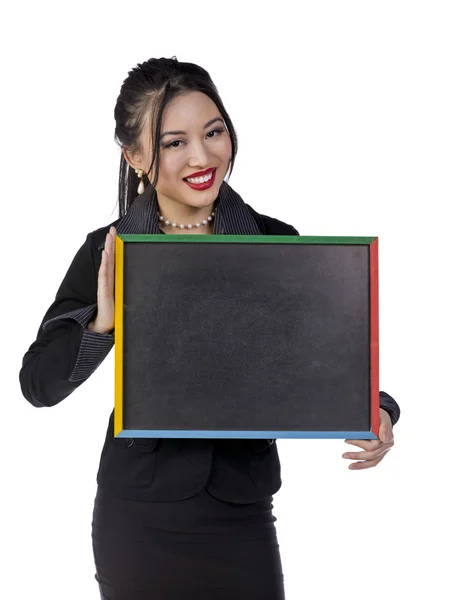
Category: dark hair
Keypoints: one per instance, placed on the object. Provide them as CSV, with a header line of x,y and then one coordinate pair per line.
x,y
148,88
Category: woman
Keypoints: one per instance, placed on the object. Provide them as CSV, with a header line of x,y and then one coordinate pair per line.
x,y
173,518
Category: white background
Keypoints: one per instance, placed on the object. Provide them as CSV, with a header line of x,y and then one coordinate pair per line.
x,y
341,110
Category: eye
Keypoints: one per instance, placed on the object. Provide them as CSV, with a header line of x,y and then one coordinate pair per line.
x,y
170,145
219,131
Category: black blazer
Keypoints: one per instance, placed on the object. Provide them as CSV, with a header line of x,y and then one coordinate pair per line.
x,y
154,469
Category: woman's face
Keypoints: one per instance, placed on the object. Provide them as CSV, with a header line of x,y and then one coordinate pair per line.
x,y
204,144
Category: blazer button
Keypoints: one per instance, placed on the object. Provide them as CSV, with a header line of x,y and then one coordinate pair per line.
x,y
129,442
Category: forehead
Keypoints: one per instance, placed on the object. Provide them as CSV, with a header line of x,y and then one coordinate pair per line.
x,y
190,109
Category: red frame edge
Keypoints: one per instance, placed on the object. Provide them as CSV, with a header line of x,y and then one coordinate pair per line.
x,y
374,336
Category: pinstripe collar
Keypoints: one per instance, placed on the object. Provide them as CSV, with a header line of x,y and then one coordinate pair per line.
x,y
232,216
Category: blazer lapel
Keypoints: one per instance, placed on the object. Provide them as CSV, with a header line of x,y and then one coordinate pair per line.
x,y
232,216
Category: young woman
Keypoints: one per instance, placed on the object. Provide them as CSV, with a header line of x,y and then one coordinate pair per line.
x,y
173,518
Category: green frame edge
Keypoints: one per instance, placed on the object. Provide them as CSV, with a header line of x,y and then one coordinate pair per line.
x,y
260,239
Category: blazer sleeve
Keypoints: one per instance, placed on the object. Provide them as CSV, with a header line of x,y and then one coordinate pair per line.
x,y
391,406
65,353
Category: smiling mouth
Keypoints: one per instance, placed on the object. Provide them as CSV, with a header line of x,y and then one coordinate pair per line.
x,y
202,185
209,176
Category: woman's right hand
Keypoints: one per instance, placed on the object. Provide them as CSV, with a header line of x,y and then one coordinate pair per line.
x,y
104,320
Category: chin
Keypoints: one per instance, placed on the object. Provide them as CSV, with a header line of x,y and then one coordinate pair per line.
x,y
203,197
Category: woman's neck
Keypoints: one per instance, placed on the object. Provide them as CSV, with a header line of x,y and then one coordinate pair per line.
x,y
204,229
195,218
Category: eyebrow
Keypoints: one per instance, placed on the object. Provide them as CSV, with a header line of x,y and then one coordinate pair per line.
x,y
179,132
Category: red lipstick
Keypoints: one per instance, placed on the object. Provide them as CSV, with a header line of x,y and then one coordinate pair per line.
x,y
202,186
201,173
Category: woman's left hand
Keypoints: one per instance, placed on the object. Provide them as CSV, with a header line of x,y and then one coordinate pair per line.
x,y
374,450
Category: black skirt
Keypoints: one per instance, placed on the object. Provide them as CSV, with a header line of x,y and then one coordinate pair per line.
x,y
199,548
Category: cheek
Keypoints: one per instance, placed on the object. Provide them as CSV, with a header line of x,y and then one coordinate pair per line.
x,y
227,146
169,168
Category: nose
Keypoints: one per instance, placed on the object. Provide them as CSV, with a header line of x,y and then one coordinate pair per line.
x,y
199,155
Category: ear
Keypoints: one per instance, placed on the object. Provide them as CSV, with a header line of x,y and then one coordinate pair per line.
x,y
134,159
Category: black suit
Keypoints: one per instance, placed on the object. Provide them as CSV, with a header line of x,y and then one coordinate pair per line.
x,y
240,471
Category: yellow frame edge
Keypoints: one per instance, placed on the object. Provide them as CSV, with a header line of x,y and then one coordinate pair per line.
x,y
118,326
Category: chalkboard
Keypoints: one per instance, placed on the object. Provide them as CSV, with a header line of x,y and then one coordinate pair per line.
x,y
221,336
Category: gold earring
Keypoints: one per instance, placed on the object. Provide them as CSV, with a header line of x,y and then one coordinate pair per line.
x,y
141,187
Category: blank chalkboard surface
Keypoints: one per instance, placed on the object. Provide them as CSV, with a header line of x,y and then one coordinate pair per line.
x,y
220,336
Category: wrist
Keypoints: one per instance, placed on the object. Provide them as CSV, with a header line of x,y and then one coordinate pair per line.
x,y
98,328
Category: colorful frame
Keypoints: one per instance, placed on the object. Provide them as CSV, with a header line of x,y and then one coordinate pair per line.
x,y
372,242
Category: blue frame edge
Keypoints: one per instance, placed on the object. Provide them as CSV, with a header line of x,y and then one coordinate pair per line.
x,y
165,433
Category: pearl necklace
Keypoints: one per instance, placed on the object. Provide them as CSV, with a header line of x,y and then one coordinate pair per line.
x,y
190,226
